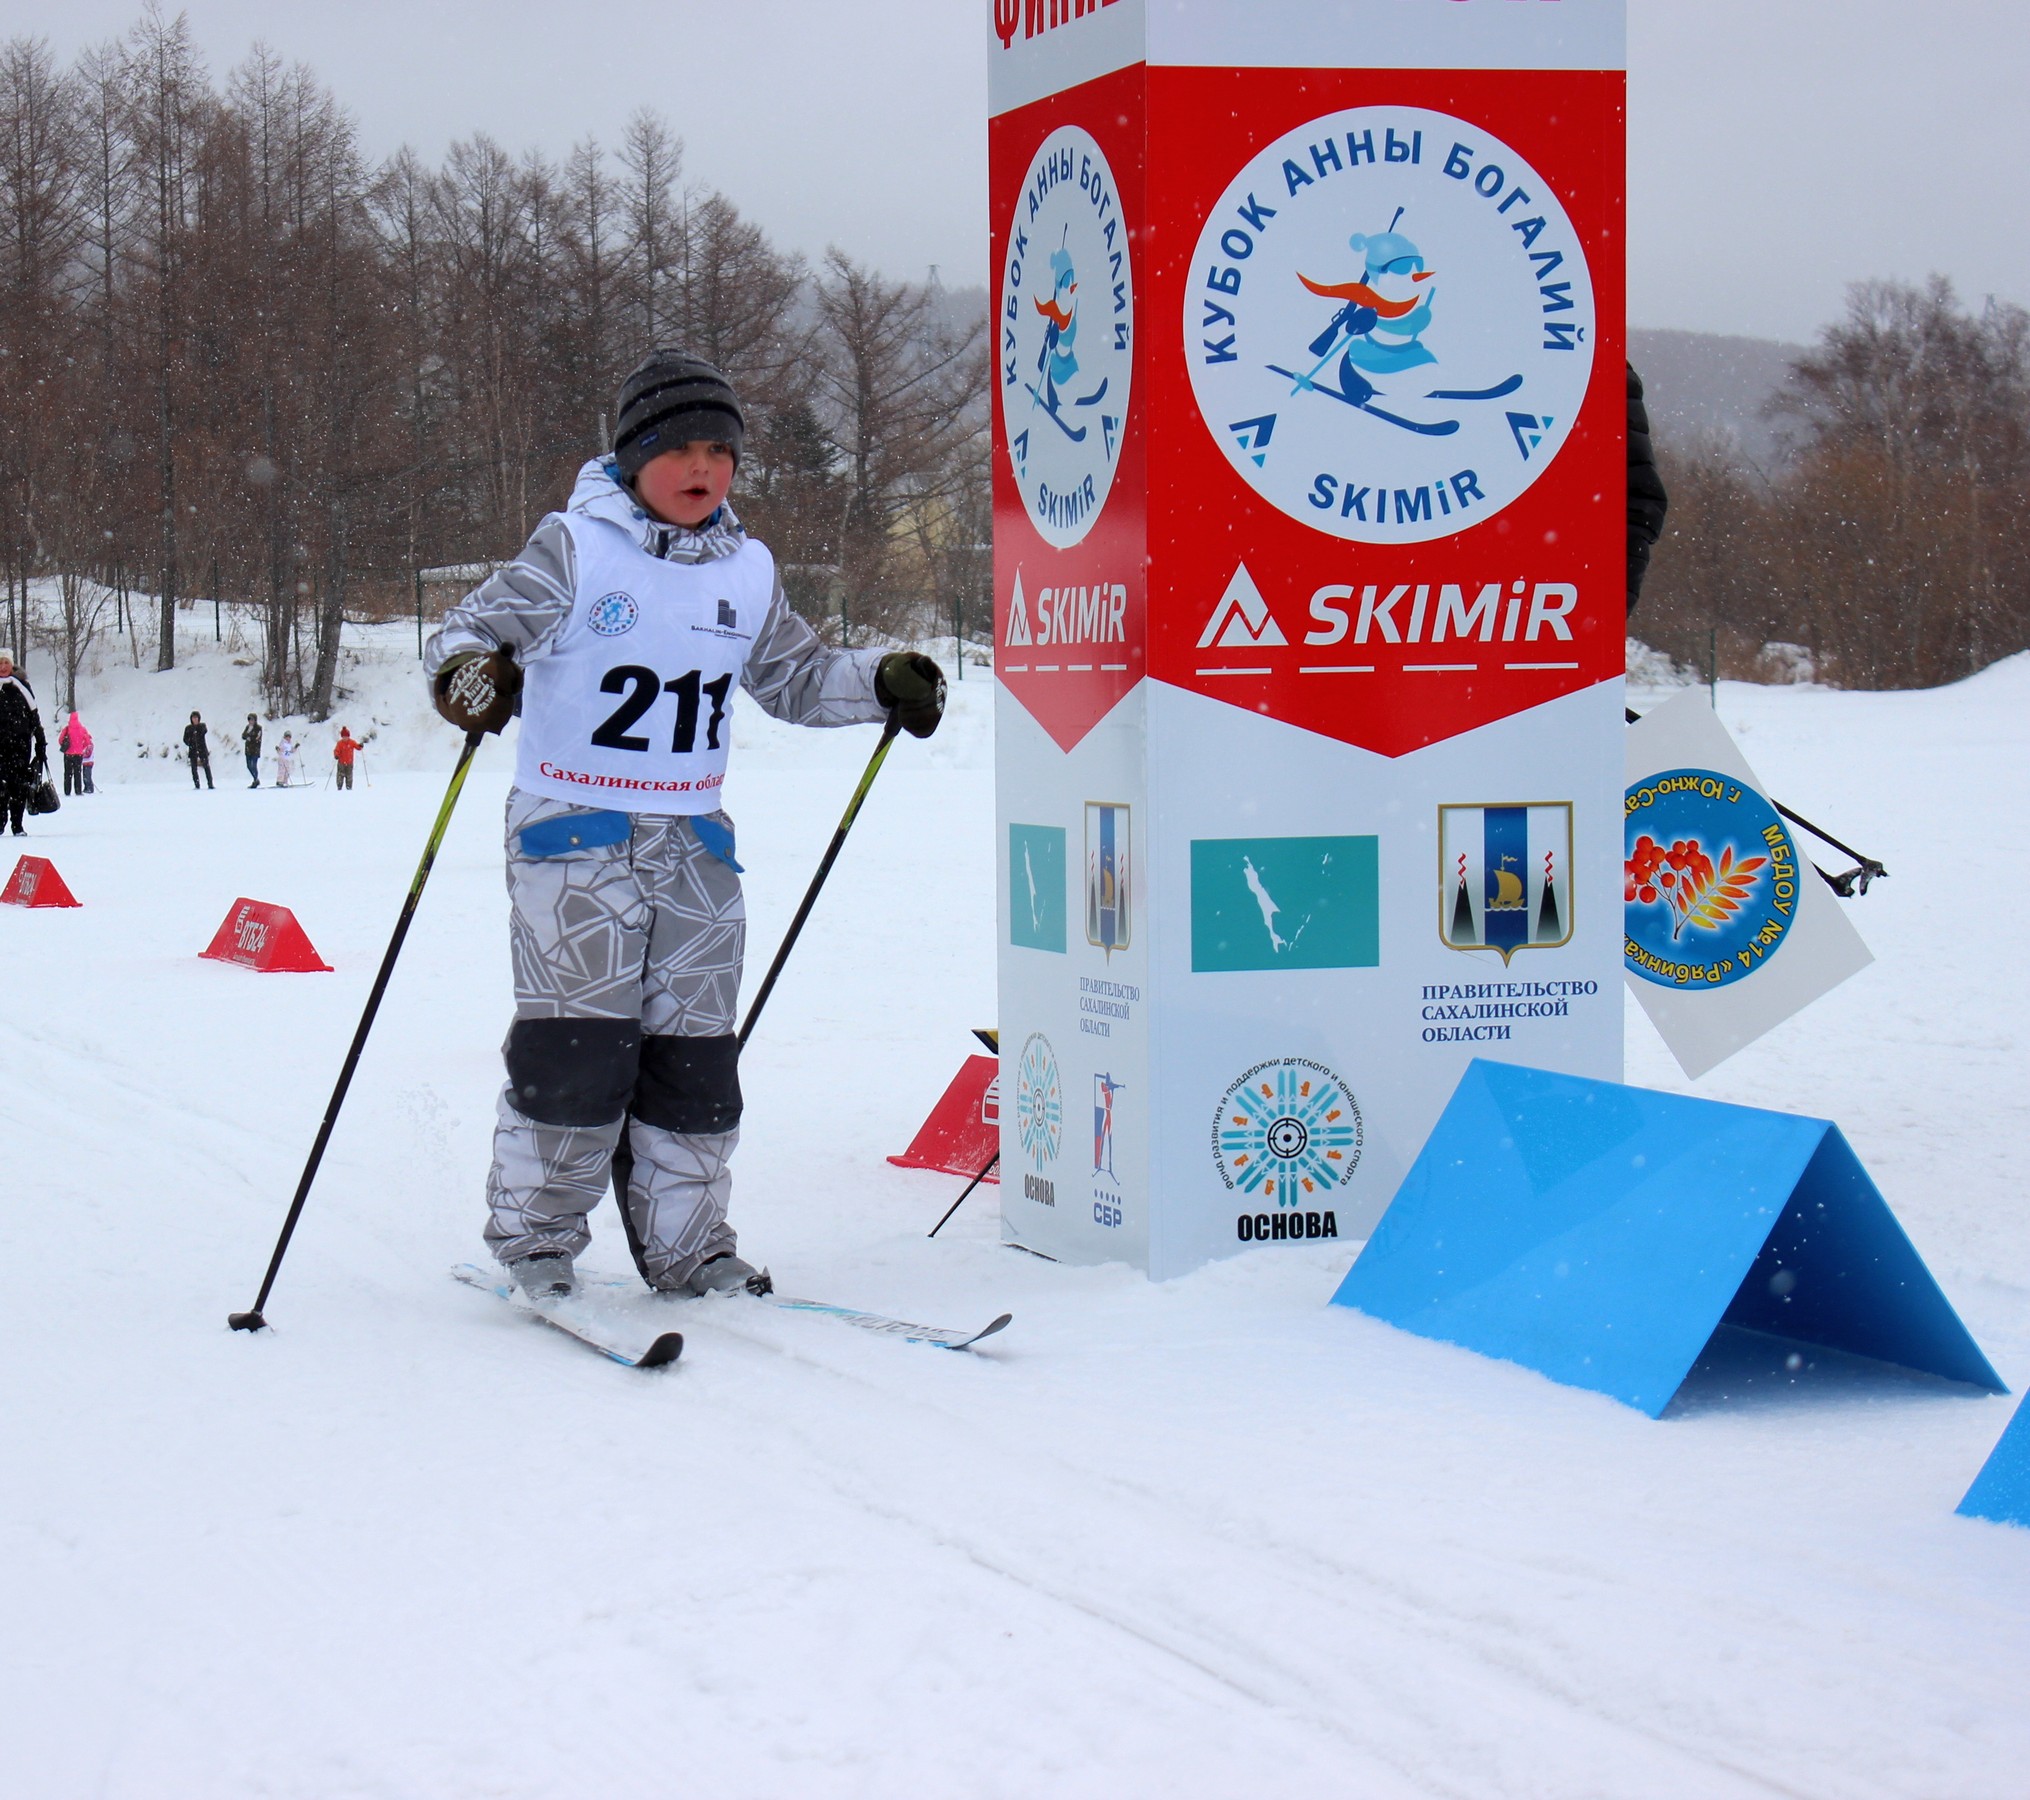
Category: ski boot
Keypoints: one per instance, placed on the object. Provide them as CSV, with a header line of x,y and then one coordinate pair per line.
x,y
727,1274
549,1275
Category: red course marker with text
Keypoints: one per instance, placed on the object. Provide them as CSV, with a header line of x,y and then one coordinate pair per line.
x,y
35,882
265,938
964,1128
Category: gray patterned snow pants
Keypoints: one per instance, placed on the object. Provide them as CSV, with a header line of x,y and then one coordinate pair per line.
x,y
627,976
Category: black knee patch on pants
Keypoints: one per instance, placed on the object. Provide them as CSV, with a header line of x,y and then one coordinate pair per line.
x,y
573,1071
689,1084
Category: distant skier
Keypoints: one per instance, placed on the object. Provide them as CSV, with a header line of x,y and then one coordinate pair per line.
x,y
250,746
638,613
24,745
342,754
197,750
75,742
285,760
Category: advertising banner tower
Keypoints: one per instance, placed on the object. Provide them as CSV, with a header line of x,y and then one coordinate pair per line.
x,y
1309,532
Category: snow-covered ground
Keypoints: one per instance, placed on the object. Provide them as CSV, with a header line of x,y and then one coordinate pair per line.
x,y
1209,1537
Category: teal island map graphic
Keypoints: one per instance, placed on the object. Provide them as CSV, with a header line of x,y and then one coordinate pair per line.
x,y
1285,903
1036,887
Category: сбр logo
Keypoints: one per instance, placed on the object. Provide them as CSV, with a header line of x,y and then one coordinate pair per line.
x,y
1710,880
1389,324
1065,335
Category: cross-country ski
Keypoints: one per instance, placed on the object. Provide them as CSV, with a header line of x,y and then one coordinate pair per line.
x,y
760,1289
601,1329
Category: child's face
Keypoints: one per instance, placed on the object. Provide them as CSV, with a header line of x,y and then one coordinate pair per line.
x,y
685,486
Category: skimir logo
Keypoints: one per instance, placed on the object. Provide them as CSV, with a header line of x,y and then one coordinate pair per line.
x,y
1039,1106
1389,324
1066,335
612,615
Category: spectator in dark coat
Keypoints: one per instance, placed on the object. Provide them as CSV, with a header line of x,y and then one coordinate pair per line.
x,y
1647,502
199,750
250,743
24,746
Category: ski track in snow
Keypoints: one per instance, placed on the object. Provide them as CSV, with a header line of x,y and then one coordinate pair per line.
x,y
1208,1538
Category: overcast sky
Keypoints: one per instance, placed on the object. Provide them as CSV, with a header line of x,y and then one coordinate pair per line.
x,y
1779,149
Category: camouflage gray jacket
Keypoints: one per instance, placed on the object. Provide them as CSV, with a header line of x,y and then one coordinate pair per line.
x,y
520,609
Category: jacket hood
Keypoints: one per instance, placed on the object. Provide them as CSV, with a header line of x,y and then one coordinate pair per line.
x,y
598,494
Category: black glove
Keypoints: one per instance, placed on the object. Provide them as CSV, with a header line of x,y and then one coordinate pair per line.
x,y
476,690
912,687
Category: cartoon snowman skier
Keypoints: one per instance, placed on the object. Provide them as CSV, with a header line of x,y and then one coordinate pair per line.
x,y
1379,330
1057,361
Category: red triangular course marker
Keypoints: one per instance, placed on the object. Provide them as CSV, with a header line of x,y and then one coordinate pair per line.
x,y
964,1128
35,882
266,938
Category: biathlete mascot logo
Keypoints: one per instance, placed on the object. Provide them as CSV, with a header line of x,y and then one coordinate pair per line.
x,y
1066,335
1346,382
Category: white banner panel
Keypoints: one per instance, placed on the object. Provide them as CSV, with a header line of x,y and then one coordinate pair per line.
x,y
1390,34
1729,929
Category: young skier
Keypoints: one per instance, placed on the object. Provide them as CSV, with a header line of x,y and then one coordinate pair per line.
x,y
634,617
285,760
342,754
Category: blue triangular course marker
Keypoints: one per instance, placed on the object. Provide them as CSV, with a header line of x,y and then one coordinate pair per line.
x,y
1601,1234
2001,1491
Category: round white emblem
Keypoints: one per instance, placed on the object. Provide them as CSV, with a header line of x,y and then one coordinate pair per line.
x,y
1067,334
1389,324
613,614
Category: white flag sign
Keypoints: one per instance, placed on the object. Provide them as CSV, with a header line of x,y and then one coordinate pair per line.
x,y
1728,929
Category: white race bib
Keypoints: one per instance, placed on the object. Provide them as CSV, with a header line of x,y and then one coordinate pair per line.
x,y
632,707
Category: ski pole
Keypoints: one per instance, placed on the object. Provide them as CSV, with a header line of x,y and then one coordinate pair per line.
x,y
986,1169
1854,881
831,856
252,1320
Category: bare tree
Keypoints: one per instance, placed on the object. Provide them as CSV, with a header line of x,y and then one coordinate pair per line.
x,y
900,390
652,157
170,102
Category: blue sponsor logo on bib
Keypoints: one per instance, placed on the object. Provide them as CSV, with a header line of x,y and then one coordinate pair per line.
x,y
613,614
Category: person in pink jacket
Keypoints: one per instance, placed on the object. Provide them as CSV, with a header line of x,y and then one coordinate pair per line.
x,y
76,744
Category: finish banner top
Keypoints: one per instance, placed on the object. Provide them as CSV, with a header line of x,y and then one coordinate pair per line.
x,y
1042,47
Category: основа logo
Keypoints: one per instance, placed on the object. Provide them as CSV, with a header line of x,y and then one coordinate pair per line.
x,y
1065,344
1389,324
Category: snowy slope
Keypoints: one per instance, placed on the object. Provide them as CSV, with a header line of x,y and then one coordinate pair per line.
x,y
1209,1537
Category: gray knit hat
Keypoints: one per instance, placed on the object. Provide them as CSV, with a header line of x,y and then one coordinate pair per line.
x,y
668,401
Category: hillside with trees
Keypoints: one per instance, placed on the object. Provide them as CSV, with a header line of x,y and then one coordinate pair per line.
x,y
242,361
